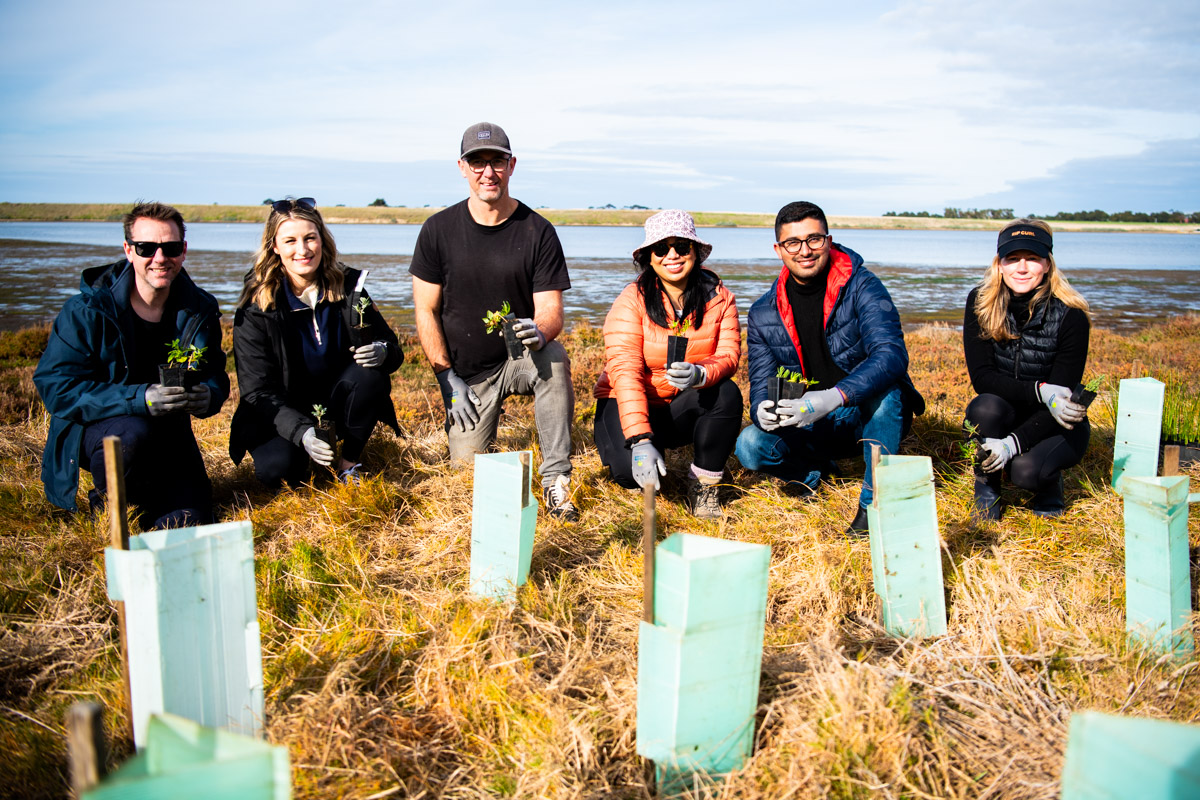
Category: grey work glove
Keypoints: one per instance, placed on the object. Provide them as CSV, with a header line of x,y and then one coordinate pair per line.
x,y
813,406
529,334
198,399
460,399
317,449
767,419
998,452
684,374
1058,400
370,355
162,400
648,464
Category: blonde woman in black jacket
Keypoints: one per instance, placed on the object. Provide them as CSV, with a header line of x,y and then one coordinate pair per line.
x,y
1025,338
298,345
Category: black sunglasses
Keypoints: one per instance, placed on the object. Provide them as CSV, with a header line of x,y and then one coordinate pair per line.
x,y
148,249
682,247
285,206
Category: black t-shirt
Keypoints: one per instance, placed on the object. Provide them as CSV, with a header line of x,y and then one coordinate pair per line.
x,y
151,341
808,315
479,267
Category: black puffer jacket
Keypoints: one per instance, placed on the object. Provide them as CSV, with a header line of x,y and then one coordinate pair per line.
x,y
271,375
1052,347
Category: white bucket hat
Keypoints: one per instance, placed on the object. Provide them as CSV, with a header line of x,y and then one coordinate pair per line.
x,y
679,224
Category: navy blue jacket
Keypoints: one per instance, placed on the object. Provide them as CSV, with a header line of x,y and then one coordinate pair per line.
x,y
82,376
862,327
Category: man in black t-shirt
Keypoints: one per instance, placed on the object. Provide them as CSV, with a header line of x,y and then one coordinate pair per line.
x,y
471,259
99,377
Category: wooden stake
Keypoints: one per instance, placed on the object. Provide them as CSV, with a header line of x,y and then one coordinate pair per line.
x,y
875,455
525,498
86,749
118,534
1170,460
1136,369
649,534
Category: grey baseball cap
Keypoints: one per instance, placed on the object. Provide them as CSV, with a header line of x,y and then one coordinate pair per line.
x,y
485,136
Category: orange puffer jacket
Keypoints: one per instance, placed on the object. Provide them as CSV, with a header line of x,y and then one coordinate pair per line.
x,y
635,352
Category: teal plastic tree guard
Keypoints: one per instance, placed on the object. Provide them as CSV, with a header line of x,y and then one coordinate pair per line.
x,y
906,557
192,623
1118,758
186,761
699,663
1158,590
503,518
1139,429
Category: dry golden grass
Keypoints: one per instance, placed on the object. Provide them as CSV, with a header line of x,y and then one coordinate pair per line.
x,y
385,677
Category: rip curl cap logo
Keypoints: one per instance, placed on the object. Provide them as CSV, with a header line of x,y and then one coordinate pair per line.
x,y
1025,237
1014,233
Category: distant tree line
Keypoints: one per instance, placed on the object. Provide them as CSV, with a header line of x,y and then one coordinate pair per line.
x,y
1062,216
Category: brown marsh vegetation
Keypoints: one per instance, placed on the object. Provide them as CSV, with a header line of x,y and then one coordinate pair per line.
x,y
385,678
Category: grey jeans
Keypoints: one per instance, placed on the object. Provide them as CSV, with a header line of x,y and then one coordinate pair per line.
x,y
545,374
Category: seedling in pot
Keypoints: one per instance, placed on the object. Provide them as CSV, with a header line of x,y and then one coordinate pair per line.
x,y
1084,394
324,428
183,364
502,321
360,334
787,385
677,339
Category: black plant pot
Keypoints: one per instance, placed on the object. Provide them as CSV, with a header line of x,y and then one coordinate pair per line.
x,y
1082,396
361,335
676,349
326,432
171,376
515,349
783,389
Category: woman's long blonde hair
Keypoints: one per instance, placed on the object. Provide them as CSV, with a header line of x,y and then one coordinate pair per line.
x,y
991,302
268,273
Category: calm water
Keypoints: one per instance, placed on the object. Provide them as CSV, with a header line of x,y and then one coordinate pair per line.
x,y
1130,279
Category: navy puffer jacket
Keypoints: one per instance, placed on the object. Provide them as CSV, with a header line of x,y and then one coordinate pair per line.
x,y
862,327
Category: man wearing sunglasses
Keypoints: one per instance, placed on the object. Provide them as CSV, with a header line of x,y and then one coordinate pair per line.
x,y
829,318
471,259
99,377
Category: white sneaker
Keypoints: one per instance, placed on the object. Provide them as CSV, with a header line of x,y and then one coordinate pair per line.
x,y
557,497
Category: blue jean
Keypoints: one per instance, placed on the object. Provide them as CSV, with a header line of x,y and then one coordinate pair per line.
x,y
806,454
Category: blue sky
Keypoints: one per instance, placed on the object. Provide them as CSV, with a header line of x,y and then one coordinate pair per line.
x,y
861,107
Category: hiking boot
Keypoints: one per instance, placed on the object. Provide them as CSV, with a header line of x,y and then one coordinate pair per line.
x,y
1049,502
557,497
986,506
352,475
859,525
704,499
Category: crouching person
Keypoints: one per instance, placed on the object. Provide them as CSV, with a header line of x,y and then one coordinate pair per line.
x,y
644,404
301,352
830,319
99,377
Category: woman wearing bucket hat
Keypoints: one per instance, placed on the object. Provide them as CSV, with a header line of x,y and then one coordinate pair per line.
x,y
1025,337
644,404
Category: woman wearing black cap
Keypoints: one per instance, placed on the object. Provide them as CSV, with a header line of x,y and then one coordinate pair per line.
x,y
1025,337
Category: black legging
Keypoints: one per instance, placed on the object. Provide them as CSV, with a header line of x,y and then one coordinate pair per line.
x,y
356,401
1040,466
708,418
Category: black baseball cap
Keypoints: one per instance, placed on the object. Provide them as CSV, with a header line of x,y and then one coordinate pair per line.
x,y
1025,237
485,136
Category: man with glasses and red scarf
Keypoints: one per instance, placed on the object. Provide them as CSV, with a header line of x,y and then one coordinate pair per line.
x,y
830,319
99,377
492,253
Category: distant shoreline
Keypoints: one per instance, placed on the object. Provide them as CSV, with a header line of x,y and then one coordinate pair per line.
x,y
111,212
